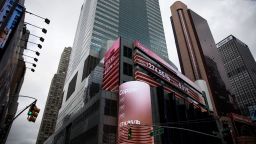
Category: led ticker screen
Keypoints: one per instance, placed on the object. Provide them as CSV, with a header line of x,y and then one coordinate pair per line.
x,y
153,55
111,67
166,76
135,113
12,21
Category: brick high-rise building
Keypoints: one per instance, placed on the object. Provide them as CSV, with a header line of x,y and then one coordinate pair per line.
x,y
198,55
241,69
54,99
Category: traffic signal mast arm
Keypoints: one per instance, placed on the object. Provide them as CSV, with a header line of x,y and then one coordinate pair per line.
x,y
24,110
184,129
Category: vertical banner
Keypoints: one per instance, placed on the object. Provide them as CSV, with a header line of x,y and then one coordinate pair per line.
x,y
135,113
111,67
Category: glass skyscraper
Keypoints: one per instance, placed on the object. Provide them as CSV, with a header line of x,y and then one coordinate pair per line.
x,y
198,55
88,115
241,69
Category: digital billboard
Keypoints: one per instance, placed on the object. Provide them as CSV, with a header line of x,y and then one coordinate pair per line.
x,y
166,76
135,112
153,55
111,67
12,21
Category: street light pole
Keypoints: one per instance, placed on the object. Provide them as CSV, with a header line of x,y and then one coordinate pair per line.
x,y
7,126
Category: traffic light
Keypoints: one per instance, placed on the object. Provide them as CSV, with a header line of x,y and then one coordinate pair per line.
x,y
129,133
226,131
33,113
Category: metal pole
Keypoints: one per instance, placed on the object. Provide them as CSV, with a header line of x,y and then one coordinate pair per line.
x,y
28,97
28,49
23,110
29,41
35,15
33,25
34,35
7,126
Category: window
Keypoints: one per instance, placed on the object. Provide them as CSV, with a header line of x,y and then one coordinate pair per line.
x,y
89,64
109,135
71,86
110,107
127,52
94,89
127,69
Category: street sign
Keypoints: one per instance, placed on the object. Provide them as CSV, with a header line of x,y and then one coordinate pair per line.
x,y
157,132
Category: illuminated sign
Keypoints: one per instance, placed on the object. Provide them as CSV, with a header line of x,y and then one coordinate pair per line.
x,y
134,112
241,118
168,78
12,21
111,67
153,55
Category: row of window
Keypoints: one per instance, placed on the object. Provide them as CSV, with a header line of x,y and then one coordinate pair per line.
x,y
236,71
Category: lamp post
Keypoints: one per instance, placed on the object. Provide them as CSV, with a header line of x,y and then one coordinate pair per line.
x,y
38,45
33,70
43,29
35,59
36,52
40,38
33,64
46,20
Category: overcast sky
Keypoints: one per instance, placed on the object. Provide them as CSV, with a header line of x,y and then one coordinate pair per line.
x,y
225,17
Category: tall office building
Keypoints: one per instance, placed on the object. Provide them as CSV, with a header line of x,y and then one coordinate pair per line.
x,y
198,55
82,115
54,99
241,69
106,20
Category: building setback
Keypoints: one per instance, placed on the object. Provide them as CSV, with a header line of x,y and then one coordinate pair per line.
x,y
199,57
54,99
241,69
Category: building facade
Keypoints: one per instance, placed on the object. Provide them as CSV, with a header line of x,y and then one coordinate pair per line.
x,y
100,22
241,69
173,99
12,65
199,57
54,99
169,99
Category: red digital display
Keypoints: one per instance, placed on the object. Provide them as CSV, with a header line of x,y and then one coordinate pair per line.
x,y
111,67
164,76
153,55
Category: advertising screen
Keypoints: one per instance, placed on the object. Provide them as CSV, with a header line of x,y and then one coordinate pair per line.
x,y
134,113
12,21
153,55
111,67
166,76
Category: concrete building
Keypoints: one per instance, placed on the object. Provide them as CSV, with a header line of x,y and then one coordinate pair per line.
x,y
54,99
198,55
12,65
241,69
